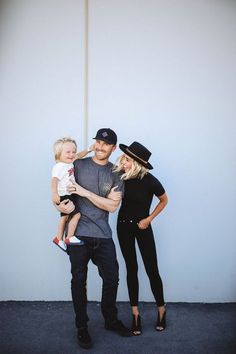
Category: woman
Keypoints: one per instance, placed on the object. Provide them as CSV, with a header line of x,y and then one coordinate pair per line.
x,y
134,223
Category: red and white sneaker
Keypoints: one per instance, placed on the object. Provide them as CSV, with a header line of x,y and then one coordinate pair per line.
x,y
73,240
60,244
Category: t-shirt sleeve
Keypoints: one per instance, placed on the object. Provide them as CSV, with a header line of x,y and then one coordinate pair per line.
x,y
57,171
156,186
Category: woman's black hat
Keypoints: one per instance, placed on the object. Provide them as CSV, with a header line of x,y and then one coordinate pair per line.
x,y
138,152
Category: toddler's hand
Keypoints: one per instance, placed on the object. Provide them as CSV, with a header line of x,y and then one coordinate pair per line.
x,y
91,148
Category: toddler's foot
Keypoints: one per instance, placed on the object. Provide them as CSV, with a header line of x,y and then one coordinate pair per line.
x,y
60,244
73,240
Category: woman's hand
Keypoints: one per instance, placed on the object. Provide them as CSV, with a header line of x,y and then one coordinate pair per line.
x,y
114,195
144,223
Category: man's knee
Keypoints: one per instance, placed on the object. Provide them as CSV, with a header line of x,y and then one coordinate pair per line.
x,y
79,279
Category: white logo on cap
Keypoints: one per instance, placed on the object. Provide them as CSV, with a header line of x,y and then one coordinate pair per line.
x,y
104,134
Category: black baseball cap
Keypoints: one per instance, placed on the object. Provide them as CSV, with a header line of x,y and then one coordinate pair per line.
x,y
106,134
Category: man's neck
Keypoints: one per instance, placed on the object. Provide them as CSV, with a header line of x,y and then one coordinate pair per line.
x,y
100,162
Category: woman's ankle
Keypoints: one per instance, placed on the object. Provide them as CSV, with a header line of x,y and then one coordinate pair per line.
x,y
135,311
161,311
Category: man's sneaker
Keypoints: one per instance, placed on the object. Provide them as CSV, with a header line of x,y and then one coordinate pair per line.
x,y
119,328
84,338
73,240
60,244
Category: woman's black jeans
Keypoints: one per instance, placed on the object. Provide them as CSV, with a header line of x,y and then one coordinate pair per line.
x,y
128,232
102,253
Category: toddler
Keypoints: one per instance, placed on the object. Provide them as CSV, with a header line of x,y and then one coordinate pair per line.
x,y
62,176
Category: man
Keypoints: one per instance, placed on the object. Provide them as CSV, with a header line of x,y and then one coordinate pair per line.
x,y
96,188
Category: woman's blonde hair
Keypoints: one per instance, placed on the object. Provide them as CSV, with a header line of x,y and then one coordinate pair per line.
x,y
136,171
58,146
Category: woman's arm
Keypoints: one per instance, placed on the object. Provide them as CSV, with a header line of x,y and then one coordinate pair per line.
x,y
144,223
110,203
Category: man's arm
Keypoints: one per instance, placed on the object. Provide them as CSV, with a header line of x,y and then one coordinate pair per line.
x,y
109,204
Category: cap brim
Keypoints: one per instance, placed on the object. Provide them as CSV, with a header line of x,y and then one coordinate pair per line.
x,y
102,139
124,148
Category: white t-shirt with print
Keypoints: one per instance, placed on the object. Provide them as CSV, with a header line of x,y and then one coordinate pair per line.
x,y
64,172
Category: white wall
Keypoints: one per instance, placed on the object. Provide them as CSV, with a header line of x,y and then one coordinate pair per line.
x,y
41,100
160,72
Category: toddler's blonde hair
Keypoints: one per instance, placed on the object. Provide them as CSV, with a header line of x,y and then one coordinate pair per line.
x,y
58,145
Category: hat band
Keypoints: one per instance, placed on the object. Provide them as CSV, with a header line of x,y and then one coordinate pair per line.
x,y
137,156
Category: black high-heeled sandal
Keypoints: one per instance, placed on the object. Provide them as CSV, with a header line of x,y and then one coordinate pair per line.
x,y
161,324
136,325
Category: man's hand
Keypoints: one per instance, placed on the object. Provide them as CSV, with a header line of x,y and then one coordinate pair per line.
x,y
66,206
75,188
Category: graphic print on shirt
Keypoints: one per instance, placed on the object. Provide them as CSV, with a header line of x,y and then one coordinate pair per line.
x,y
106,187
71,171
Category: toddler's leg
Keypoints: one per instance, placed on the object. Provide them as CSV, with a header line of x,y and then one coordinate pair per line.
x,y
72,225
71,239
61,227
58,240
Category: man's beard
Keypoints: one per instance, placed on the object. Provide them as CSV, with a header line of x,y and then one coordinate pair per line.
x,y
101,157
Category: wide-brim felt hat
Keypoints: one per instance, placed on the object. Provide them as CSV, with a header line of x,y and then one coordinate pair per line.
x,y
138,152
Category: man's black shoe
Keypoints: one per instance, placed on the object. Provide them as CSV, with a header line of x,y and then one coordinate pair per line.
x,y
119,328
84,338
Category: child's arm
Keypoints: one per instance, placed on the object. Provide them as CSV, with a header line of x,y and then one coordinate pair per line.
x,y
83,153
55,195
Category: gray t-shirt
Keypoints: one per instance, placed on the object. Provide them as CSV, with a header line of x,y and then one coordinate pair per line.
x,y
98,179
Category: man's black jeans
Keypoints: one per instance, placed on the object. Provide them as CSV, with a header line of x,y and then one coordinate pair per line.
x,y
103,254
